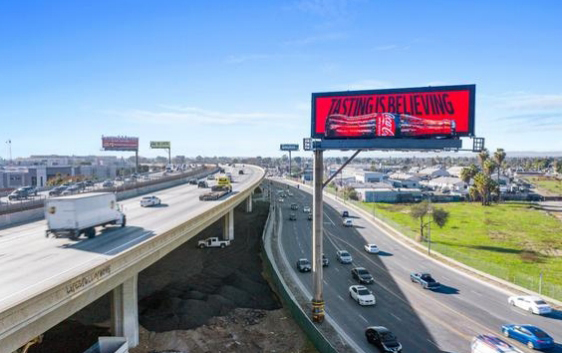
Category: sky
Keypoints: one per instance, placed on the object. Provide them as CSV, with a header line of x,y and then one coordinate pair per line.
x,y
234,78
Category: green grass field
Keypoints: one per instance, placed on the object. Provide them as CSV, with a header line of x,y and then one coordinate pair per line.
x,y
550,185
505,240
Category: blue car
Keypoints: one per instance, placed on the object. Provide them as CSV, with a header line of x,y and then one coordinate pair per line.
x,y
532,336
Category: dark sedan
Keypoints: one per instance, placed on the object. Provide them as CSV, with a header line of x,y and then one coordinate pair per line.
x,y
362,275
382,338
532,336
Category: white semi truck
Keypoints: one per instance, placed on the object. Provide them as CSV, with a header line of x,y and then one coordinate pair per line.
x,y
81,214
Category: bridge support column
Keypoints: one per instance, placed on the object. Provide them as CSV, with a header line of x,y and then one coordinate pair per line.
x,y
228,226
249,204
124,311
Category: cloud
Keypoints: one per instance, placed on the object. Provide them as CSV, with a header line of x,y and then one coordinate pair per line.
x,y
528,101
532,122
363,85
178,115
315,39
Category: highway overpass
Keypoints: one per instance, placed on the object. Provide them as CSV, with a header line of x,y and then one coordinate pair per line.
x,y
444,320
44,281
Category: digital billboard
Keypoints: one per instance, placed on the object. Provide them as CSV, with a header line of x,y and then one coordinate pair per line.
x,y
289,147
425,112
120,143
160,144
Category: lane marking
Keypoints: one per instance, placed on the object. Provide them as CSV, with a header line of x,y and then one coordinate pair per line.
x,y
396,317
339,296
475,292
361,316
433,343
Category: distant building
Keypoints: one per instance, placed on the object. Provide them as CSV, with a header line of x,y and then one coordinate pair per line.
x,y
455,171
449,183
370,177
433,172
404,180
389,195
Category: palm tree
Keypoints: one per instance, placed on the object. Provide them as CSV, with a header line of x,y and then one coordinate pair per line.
x,y
483,156
499,157
489,167
468,173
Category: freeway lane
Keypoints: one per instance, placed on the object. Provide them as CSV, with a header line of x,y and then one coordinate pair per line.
x,y
31,263
425,321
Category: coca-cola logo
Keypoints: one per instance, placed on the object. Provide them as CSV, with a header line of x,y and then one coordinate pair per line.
x,y
385,125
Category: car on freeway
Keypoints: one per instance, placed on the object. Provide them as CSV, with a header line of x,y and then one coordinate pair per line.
x,y
306,209
362,295
57,190
210,177
344,257
18,194
107,184
119,178
530,303
148,201
202,184
72,189
362,275
425,279
345,214
325,261
294,206
491,344
383,338
293,216
303,265
372,248
31,190
89,183
192,181
309,216
347,222
281,200
532,336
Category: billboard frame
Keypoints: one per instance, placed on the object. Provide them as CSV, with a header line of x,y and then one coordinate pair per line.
x,y
471,106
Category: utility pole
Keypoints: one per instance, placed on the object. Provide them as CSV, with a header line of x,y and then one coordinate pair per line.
x,y
317,246
9,143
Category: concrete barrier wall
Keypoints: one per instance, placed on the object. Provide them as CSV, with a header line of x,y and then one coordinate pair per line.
x,y
35,214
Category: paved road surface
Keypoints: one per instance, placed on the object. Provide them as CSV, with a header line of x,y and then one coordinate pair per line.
x,y
425,321
31,263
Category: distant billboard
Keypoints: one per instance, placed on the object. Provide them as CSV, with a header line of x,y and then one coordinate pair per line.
x,y
425,112
160,144
120,143
289,147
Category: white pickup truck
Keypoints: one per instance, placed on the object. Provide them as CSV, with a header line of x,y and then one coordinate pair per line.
x,y
213,242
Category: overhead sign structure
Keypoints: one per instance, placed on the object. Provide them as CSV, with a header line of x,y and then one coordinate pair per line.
x,y
289,147
160,144
419,113
120,143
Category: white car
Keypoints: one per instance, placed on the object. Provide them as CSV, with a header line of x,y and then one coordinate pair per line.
x,y
306,209
344,257
147,201
371,248
347,222
281,200
362,295
530,303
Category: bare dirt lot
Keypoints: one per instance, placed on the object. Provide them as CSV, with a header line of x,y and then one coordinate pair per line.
x,y
198,300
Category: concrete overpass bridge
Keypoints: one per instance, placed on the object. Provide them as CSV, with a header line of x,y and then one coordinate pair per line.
x,y
44,281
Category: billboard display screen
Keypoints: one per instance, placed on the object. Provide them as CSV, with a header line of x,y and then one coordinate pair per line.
x,y
120,143
160,144
289,147
425,112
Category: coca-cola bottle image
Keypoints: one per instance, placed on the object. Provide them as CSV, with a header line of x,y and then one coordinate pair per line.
x,y
386,125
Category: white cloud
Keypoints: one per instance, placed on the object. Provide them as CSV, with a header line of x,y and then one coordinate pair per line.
x,y
528,101
178,115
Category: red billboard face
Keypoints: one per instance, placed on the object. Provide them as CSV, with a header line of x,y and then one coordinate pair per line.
x,y
120,143
431,112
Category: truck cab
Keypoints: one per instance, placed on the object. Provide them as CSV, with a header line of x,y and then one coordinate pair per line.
x,y
213,242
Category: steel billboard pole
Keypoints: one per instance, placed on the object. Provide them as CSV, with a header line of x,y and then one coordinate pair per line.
x,y
317,237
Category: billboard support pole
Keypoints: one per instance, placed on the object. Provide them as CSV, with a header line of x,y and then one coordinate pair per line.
x,y
290,165
317,237
136,161
170,156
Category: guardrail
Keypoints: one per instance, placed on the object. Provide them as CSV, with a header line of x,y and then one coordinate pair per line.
x,y
27,316
39,201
